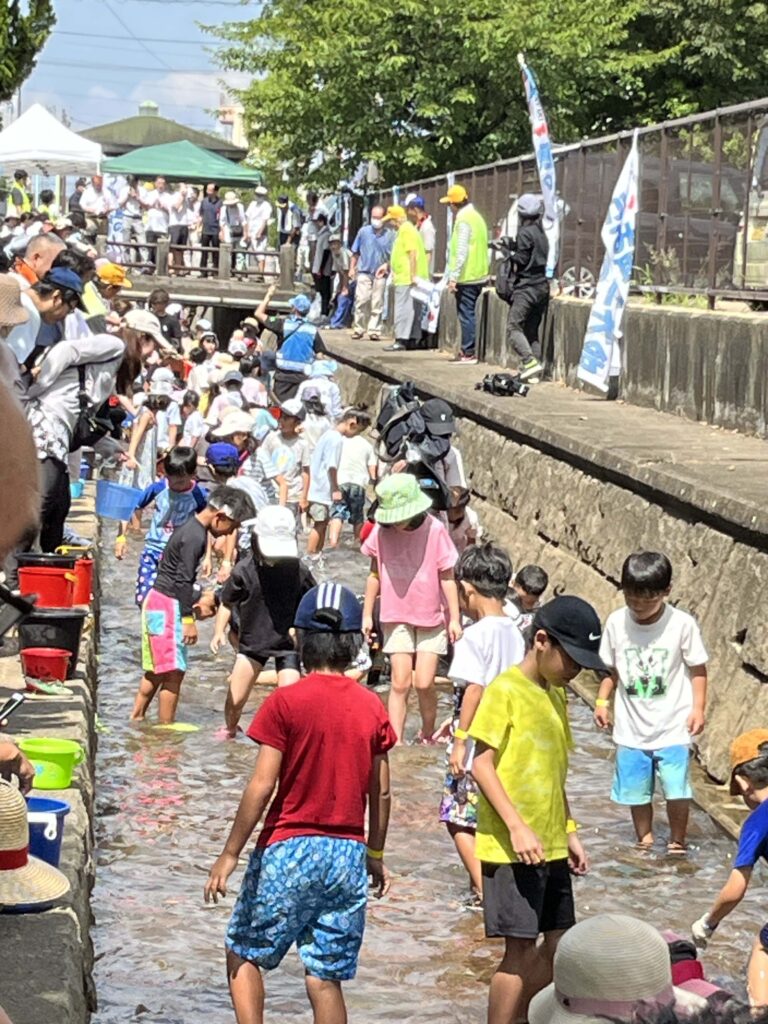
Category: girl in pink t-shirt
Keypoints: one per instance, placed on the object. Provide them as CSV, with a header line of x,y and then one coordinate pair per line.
x,y
412,561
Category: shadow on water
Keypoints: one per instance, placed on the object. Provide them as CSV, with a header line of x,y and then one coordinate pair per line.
x,y
165,802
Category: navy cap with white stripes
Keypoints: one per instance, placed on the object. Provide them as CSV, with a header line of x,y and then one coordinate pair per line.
x,y
329,608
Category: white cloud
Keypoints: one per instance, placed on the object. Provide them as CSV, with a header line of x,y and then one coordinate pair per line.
x,y
98,92
180,94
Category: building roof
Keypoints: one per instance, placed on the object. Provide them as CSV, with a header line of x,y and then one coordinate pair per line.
x,y
118,137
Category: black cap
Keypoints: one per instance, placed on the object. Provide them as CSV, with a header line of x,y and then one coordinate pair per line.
x,y
438,416
282,200
575,624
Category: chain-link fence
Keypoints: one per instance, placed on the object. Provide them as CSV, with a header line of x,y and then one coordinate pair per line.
x,y
703,217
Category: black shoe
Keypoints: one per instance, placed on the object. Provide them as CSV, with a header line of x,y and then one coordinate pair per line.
x,y
397,346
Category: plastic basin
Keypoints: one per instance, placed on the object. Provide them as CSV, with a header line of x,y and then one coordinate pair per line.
x,y
83,581
54,761
54,627
54,587
115,501
36,560
46,827
48,663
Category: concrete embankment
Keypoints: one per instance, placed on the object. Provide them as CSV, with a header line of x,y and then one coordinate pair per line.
x,y
47,958
576,483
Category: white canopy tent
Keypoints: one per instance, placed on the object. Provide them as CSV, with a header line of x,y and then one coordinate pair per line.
x,y
40,144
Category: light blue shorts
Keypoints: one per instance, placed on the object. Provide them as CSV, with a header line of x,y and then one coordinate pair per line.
x,y
636,772
311,890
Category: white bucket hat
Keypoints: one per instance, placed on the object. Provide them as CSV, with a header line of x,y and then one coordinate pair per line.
x,y
608,967
275,529
23,879
233,422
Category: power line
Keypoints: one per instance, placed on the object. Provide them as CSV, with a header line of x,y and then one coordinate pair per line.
x,y
130,32
123,67
139,39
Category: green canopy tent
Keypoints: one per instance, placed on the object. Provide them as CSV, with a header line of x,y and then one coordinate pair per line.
x,y
182,161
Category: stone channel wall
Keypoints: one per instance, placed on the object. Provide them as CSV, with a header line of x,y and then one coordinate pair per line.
x,y
546,507
706,366
47,958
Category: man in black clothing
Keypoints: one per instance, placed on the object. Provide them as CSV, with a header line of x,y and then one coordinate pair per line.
x,y
210,208
77,195
530,296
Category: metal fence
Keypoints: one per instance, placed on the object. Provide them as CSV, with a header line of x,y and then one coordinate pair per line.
x,y
703,217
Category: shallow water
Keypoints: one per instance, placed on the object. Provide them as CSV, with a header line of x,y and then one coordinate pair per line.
x,y
165,802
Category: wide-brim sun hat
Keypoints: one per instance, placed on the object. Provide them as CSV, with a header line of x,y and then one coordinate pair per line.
x,y
12,312
24,880
606,968
400,499
230,198
233,422
275,528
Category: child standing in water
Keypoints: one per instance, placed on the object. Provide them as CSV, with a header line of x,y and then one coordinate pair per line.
x,y
490,645
658,669
262,596
167,615
322,758
412,562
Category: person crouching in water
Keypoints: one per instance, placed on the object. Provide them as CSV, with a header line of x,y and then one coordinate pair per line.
x,y
262,596
167,615
323,743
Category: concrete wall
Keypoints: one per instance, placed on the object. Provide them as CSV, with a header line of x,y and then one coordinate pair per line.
x,y
702,365
48,957
580,526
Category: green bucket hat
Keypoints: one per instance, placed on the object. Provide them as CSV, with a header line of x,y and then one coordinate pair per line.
x,y
400,499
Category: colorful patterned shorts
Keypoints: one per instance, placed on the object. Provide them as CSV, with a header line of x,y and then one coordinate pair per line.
x,y
459,803
311,890
162,649
147,574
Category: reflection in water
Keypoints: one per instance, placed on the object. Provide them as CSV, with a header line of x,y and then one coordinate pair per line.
x,y
164,804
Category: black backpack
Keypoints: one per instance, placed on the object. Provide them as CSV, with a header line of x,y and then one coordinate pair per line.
x,y
93,422
505,273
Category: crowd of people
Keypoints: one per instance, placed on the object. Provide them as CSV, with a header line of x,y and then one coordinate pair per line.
x,y
239,448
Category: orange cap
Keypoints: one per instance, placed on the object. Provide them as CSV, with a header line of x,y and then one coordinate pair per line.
x,y
746,748
455,194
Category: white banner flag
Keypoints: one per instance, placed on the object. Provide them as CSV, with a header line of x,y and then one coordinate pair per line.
x,y
545,163
601,355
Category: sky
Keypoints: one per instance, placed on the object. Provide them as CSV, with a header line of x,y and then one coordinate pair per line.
x,y
104,57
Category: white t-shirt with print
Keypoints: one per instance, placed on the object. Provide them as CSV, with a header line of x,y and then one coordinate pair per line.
x,y
654,697
486,649
285,456
357,456
194,426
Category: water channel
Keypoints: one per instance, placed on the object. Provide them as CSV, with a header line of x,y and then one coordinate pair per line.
x,y
165,801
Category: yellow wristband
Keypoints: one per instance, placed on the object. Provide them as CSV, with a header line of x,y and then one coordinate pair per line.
x,y
121,539
571,826
601,702
188,620
461,734
375,575
375,854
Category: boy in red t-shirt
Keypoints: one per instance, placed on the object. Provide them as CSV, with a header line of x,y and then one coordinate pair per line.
x,y
324,743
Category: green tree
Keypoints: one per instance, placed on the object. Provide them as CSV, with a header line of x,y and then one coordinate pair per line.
x,y
22,36
420,86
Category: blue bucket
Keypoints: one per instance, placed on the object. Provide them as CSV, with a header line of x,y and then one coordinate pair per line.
x,y
114,501
76,488
46,828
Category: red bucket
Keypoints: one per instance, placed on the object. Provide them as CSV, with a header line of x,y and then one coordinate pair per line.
x,y
47,663
55,588
83,581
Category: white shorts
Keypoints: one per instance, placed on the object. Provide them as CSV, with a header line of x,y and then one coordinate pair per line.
x,y
400,638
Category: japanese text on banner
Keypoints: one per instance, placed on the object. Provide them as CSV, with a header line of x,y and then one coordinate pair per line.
x,y
545,163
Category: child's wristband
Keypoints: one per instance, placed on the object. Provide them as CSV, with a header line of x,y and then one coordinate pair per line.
x,y
601,702
121,539
375,854
188,620
571,827
461,734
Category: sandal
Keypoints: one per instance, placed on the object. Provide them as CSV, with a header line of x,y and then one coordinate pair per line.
x,y
644,846
677,849
44,688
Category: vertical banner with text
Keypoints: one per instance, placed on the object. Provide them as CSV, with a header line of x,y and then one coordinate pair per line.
x,y
545,163
601,354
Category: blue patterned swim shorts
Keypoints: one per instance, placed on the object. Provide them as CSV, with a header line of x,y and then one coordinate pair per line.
x,y
311,890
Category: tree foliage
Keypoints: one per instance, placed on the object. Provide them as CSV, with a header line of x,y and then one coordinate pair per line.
x,y
22,36
424,86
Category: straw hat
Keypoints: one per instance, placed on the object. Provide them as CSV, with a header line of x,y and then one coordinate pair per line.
x,y
12,312
607,967
23,879
230,198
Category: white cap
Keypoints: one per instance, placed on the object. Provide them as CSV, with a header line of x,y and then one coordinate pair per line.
x,y
203,324
276,532
237,347
164,373
293,407
160,388
234,422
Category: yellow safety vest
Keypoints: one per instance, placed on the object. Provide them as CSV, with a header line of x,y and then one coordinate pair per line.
x,y
476,265
26,203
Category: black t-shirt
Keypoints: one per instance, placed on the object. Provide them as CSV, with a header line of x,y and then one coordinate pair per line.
x,y
177,571
74,201
171,329
531,255
266,597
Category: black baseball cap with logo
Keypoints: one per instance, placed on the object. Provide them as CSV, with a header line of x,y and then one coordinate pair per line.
x,y
575,624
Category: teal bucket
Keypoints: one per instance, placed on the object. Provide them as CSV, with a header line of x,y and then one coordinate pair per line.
x,y
76,488
114,501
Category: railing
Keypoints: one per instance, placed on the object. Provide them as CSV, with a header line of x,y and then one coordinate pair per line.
x,y
702,227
